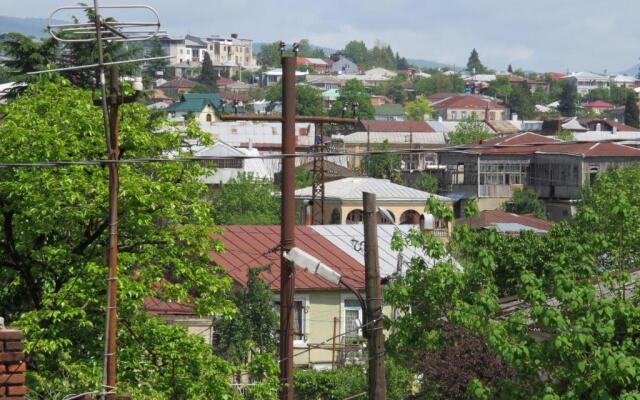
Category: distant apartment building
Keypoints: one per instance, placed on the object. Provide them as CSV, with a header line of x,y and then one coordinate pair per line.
x,y
231,51
458,107
585,82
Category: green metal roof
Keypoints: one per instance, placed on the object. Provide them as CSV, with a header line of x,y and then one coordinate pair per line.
x,y
389,109
195,102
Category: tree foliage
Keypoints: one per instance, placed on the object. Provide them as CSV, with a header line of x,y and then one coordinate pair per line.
x,y
575,333
269,55
353,92
438,83
631,113
246,200
308,99
522,103
54,235
385,165
468,131
151,68
568,99
26,55
208,74
427,183
417,109
356,51
474,65
525,202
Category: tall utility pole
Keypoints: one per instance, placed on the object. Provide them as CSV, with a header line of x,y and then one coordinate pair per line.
x,y
287,225
373,290
112,252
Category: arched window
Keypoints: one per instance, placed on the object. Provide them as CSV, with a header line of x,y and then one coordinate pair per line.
x,y
383,220
355,217
410,217
209,118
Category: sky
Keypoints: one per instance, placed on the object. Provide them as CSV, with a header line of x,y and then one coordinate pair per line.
x,y
539,35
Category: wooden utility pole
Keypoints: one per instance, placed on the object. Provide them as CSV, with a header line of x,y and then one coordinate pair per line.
x,y
375,333
287,226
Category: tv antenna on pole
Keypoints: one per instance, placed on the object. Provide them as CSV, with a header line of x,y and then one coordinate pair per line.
x,y
100,30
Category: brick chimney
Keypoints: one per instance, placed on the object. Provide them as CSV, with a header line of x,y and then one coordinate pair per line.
x,y
12,364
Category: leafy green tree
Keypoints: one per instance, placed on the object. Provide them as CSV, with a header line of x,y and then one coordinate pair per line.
x,y
428,183
540,96
251,329
394,89
151,68
381,56
502,87
246,200
204,88
471,209
353,92
306,50
565,135
417,109
438,83
468,131
54,235
304,178
631,116
525,202
568,99
208,74
383,166
308,99
401,62
474,65
269,55
26,55
356,51
510,69
522,103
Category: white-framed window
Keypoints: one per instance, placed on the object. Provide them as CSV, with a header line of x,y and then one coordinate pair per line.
x,y
300,318
351,317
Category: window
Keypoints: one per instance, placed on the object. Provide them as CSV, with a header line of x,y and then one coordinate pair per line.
x,y
229,163
352,319
463,114
454,115
300,318
355,217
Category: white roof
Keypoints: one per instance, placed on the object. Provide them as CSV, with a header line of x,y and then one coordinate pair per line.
x,y
160,105
586,76
278,72
423,75
443,126
541,108
624,79
597,136
241,133
554,104
380,72
484,77
351,189
349,238
449,73
254,166
396,137
573,124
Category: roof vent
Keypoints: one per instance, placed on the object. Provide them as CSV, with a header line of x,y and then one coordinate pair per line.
x,y
234,35
598,127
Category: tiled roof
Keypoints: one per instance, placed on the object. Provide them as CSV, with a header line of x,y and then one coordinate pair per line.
x,y
248,246
157,307
385,190
179,83
492,217
598,104
470,101
395,126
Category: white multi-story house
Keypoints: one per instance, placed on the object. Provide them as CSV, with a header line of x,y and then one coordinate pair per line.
x,y
231,51
584,82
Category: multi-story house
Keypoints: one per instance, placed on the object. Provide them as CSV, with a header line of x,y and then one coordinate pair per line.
x,y
231,51
584,82
490,170
458,107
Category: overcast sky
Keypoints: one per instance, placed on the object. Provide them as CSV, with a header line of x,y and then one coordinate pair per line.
x,y
542,35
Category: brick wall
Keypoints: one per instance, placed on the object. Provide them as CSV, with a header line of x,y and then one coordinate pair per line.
x,y
12,364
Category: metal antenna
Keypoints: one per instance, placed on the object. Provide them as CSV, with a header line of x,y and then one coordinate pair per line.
x,y
99,31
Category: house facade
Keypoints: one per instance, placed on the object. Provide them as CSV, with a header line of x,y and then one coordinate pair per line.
x,y
585,82
201,106
458,107
342,65
557,171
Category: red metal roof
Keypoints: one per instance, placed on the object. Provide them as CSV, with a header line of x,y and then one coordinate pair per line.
x,y
470,101
396,126
598,104
491,217
157,307
248,246
590,149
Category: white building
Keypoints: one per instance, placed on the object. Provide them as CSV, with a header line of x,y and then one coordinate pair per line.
x,y
585,82
228,169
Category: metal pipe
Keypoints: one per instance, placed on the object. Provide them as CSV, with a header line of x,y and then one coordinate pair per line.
x,y
287,227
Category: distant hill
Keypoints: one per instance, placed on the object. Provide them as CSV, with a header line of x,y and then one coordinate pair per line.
x,y
35,27
633,71
328,51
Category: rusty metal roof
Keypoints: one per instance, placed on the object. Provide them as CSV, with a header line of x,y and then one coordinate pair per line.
x,y
249,246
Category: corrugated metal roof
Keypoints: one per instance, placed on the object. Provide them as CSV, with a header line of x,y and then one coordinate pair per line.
x,y
396,137
156,307
395,126
350,239
489,218
254,166
250,246
512,227
352,188
238,133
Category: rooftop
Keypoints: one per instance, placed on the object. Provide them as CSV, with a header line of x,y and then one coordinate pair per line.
x,y
351,189
471,101
489,218
395,126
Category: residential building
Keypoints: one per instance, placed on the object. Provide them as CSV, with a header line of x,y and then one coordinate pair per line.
x,y
584,82
378,100
322,309
458,107
625,81
188,49
231,52
273,76
389,112
324,82
201,106
399,135
506,222
181,314
177,87
490,170
598,106
224,170
342,65
343,201
318,65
